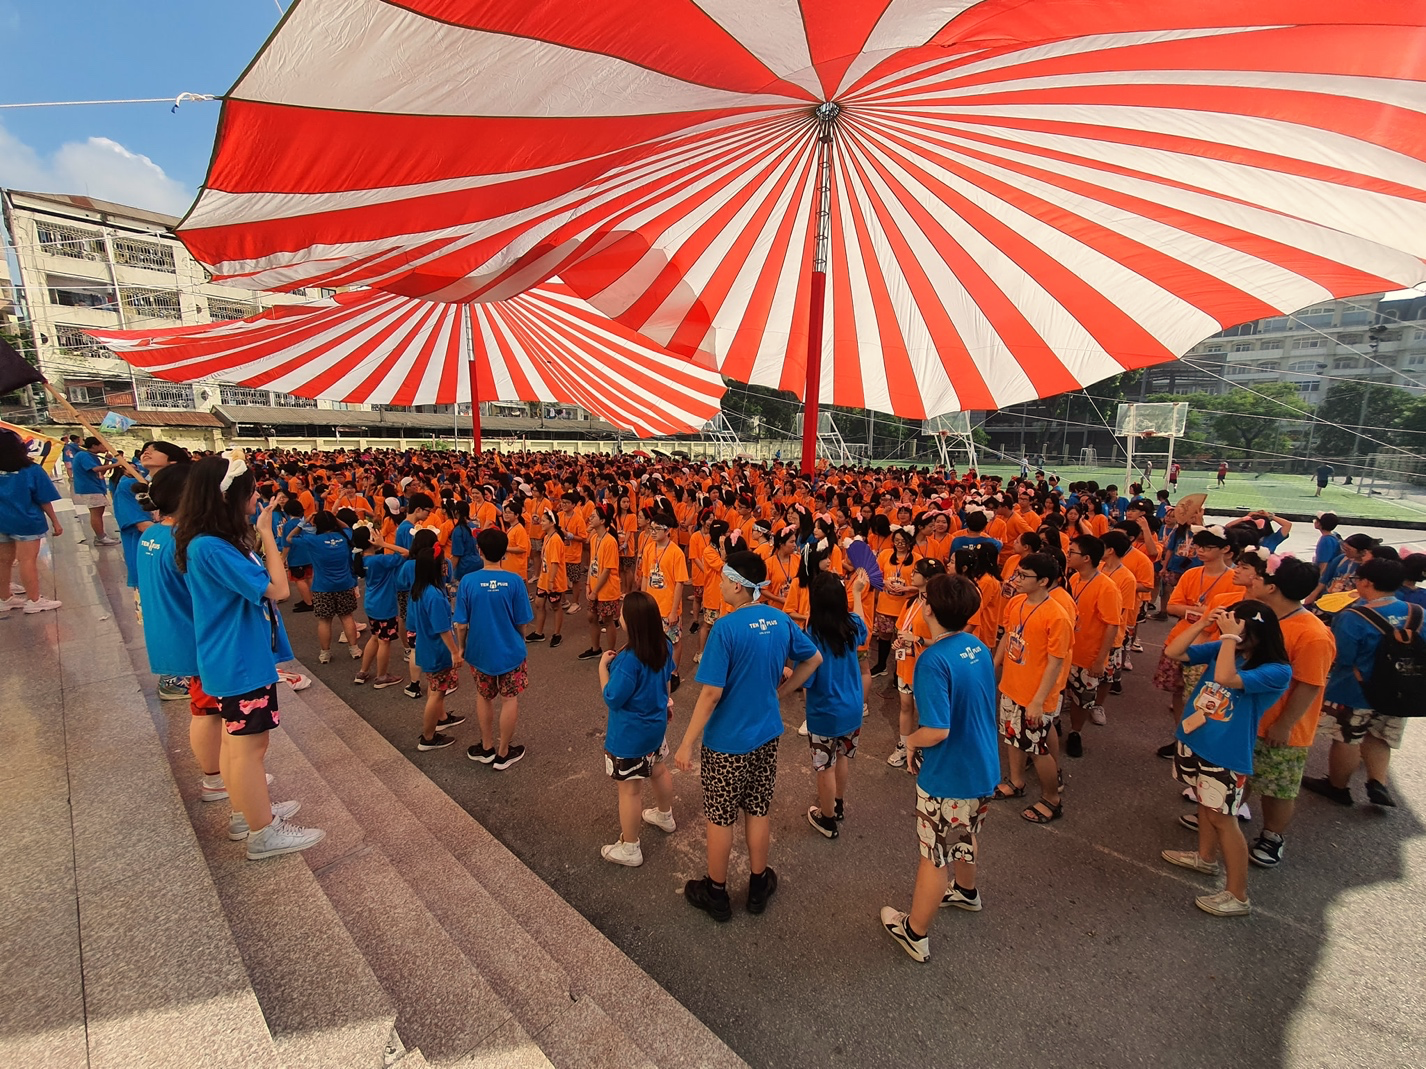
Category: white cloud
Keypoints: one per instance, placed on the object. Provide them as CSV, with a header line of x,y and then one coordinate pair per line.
x,y
99,168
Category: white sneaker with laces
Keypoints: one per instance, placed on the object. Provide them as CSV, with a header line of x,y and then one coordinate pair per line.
x,y
295,680
213,789
14,601
107,540
355,652
622,853
803,729
280,837
661,819
41,605
1224,904
238,824
1128,664
898,756
1097,715
324,656
1190,859
894,921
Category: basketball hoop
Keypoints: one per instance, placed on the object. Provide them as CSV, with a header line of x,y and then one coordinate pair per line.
x,y
943,434
1148,434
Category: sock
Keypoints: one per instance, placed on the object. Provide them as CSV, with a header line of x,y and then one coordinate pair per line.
x,y
902,743
716,887
760,878
965,893
912,933
1272,836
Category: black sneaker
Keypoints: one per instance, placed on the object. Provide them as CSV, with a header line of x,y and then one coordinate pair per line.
x,y
1074,745
826,825
701,894
435,742
1167,752
840,812
1323,786
878,670
1266,852
760,889
451,721
1377,794
534,636
674,683
303,606
481,754
554,642
591,654
412,689
512,755
1116,687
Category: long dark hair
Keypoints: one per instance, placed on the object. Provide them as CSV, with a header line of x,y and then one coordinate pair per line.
x,y
426,573
14,454
165,491
206,509
644,625
828,618
1261,626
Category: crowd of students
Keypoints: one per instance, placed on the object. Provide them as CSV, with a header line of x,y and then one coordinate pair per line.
x,y
1005,613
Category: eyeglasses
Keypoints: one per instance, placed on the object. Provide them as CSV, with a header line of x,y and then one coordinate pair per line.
x,y
657,527
1026,575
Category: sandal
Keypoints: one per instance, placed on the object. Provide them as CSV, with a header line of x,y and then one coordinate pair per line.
x,y
1014,792
1049,815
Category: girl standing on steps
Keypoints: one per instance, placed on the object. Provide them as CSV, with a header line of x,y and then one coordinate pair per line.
x,y
239,637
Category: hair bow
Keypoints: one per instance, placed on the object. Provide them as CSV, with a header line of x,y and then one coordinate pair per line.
x,y
236,466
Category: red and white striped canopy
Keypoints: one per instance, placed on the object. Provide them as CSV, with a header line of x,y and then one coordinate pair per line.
x,y
372,347
1026,195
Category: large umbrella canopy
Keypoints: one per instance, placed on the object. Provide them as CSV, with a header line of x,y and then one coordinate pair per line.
x,y
372,347
1022,196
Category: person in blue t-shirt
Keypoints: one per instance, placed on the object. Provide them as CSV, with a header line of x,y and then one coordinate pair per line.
x,y
291,527
976,523
437,652
26,511
239,637
635,684
739,721
381,576
834,693
957,742
492,605
1325,556
88,489
329,552
1361,733
423,539
465,557
1248,671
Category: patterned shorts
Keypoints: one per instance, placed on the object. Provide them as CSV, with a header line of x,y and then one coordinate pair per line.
x,y
1277,770
883,626
299,572
444,681
1169,674
1220,789
575,573
1114,666
827,748
411,640
673,632
251,713
623,769
553,597
385,630
1081,686
710,617
199,702
606,611
1353,725
734,781
332,603
1192,673
945,827
509,684
1033,739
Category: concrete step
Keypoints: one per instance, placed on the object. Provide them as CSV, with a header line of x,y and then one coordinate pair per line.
x,y
623,1016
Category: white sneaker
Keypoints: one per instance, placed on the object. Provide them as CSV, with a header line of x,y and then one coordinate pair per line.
x,y
1128,664
14,601
1097,716
803,729
622,853
1243,813
324,656
213,789
238,824
898,756
295,680
355,652
41,605
697,658
280,837
660,819
894,921
107,540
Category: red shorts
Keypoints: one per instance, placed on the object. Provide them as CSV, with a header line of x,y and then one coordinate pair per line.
x,y
509,684
200,703
444,681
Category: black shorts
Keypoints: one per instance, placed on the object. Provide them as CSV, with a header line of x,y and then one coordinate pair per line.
x,y
384,630
251,713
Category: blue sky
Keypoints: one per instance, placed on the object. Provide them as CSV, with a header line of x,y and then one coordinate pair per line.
x,y
138,154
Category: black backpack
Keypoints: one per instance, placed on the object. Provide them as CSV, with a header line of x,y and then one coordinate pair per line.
x,y
1397,686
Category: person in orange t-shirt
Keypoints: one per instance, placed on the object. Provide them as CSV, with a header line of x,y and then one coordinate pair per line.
x,y
604,589
912,635
1116,543
662,573
517,553
1189,604
553,580
1286,731
1029,659
1096,599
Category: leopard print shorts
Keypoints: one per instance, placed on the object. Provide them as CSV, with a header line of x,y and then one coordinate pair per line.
x,y
733,781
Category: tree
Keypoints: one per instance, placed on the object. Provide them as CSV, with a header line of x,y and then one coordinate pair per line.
x,y
1241,424
1341,419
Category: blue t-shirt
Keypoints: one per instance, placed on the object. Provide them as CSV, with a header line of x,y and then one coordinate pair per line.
x,y
167,606
1270,542
287,532
495,605
637,697
69,452
955,691
745,653
1357,642
330,555
240,636
1329,548
430,617
1341,571
1178,549
1413,597
128,515
22,493
463,546
85,481
1226,738
405,532
834,693
381,574
970,541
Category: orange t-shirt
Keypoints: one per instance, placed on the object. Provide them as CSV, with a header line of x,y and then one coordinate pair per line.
x,y
660,571
911,619
887,603
1193,591
795,604
1311,649
1127,586
1033,634
712,579
779,579
604,560
1097,600
553,579
517,552
1138,562
985,624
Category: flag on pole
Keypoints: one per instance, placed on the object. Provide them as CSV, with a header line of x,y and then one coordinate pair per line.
x,y
44,450
114,422
15,371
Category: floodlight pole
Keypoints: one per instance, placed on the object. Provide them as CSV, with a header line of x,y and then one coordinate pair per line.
x,y
822,220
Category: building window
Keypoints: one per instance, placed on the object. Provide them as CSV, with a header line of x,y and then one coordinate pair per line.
x,y
325,293
166,395
1243,347
150,254
1343,363
152,304
72,241
74,341
79,293
1418,335
1275,343
242,395
1309,343
1350,339
1299,366
1416,360
287,400
1355,317
221,309
1274,325
1216,347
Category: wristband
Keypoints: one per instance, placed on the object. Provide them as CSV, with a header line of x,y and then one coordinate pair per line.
x,y
1232,638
